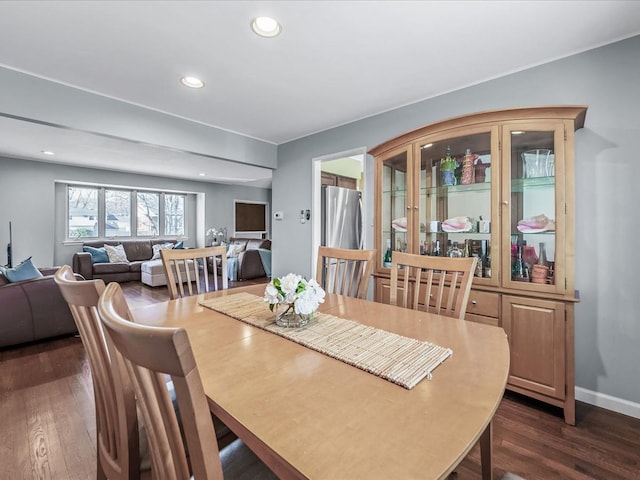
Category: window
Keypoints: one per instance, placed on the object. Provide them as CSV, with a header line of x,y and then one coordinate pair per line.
x,y
105,212
174,214
82,217
148,214
117,213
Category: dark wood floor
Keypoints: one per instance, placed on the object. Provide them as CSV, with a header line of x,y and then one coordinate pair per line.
x,y
47,428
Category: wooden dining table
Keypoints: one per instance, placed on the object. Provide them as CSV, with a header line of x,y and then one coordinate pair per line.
x,y
307,415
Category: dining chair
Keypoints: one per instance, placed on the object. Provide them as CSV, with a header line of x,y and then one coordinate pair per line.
x,y
149,353
184,266
344,271
118,439
434,284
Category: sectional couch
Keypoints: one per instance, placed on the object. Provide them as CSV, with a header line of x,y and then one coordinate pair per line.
x,y
138,252
250,258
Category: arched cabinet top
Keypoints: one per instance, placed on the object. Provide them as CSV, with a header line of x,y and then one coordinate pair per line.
x,y
576,113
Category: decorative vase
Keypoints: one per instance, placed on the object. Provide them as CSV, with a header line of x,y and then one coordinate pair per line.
x,y
468,168
448,177
480,173
287,317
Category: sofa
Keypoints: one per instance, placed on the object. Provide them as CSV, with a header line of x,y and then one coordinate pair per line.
x,y
138,252
251,259
33,310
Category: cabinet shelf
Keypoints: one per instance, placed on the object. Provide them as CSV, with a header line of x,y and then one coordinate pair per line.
x,y
546,232
444,190
519,185
397,192
480,234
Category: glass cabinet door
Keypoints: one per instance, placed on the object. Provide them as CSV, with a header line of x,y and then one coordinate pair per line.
x,y
456,198
394,213
534,161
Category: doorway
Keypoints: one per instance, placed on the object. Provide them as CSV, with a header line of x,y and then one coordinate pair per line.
x,y
344,167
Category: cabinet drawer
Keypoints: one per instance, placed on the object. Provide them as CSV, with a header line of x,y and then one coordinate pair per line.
x,y
493,321
484,303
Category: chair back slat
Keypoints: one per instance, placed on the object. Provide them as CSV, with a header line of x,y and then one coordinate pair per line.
x,y
183,267
116,419
149,354
344,271
444,290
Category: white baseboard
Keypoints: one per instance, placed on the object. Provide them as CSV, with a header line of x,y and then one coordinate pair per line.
x,y
603,400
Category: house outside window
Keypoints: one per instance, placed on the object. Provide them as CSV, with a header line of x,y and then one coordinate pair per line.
x,y
82,208
117,213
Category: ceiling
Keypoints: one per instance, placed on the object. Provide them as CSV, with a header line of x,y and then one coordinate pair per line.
x,y
334,62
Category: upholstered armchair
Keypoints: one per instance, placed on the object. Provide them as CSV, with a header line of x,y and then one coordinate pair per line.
x,y
248,258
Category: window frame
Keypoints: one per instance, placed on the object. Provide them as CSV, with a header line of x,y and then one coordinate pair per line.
x,y
98,215
105,219
160,198
133,220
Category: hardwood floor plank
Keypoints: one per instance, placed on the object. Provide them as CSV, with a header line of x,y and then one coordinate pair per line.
x,y
41,437
531,440
14,451
74,441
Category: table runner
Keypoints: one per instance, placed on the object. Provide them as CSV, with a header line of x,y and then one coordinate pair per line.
x,y
398,359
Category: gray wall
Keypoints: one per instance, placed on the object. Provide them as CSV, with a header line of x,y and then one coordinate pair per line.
x,y
28,200
606,79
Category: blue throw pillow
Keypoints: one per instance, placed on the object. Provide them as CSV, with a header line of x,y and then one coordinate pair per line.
x,y
180,244
23,271
98,255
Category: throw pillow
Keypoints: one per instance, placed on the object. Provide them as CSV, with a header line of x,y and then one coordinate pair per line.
x,y
116,254
160,246
25,270
234,250
179,245
98,255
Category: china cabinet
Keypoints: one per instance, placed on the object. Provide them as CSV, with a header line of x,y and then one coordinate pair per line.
x,y
498,185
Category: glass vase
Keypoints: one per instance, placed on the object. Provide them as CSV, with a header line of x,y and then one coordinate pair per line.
x,y
287,317
448,178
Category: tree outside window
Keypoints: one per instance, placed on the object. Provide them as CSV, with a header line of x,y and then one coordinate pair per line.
x,y
174,214
148,214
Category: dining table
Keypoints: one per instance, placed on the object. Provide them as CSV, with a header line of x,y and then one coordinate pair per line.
x,y
308,415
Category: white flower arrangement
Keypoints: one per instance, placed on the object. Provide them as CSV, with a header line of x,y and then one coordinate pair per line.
x,y
303,296
218,236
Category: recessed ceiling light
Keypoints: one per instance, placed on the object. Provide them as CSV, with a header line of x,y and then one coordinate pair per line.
x,y
202,174
192,82
47,152
266,26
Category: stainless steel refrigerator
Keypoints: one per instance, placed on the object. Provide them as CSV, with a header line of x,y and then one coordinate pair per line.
x,y
342,219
